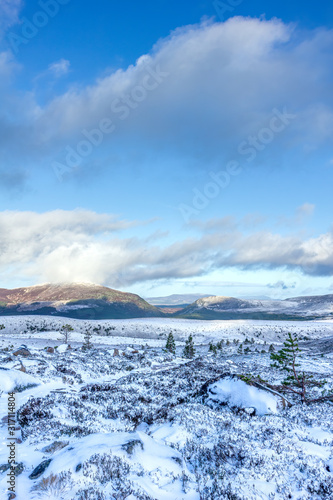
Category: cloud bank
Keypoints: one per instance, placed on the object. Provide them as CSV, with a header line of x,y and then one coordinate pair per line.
x,y
223,81
81,245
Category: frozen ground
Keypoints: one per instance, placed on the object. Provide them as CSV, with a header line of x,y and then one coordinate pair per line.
x,y
151,425
114,332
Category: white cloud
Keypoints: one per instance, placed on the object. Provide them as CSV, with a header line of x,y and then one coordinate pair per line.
x,y
282,285
59,68
82,245
9,13
223,81
305,210
301,216
7,67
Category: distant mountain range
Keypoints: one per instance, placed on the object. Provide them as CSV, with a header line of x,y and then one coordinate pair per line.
x,y
311,307
188,298
176,299
88,301
75,300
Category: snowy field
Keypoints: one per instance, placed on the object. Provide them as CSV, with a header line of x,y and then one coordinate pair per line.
x,y
140,423
136,331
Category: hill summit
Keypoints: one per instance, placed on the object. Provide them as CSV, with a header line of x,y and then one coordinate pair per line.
x,y
75,300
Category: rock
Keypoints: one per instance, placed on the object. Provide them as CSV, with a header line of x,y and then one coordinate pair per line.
x,y
116,352
207,392
135,351
22,351
19,468
40,469
4,467
55,446
131,445
50,350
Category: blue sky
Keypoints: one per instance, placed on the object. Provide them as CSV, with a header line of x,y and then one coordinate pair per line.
x,y
167,148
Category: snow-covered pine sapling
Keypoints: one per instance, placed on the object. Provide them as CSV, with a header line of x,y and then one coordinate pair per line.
x,y
2,327
65,332
286,359
87,340
271,348
240,349
189,350
170,345
219,344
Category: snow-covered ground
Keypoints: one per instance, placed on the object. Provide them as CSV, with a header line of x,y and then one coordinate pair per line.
x,y
145,424
114,332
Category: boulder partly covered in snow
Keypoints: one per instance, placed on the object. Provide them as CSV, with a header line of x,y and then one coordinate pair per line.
x,y
63,348
230,390
15,380
22,351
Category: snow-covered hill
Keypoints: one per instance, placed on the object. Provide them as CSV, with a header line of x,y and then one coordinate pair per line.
x,y
74,300
232,308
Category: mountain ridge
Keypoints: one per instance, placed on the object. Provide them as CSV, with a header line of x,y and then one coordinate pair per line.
x,y
220,307
83,300
91,301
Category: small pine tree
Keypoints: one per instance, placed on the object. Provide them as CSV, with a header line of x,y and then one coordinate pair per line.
x,y
247,350
240,349
227,342
271,348
219,345
2,327
170,344
87,340
212,348
286,359
65,332
189,350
